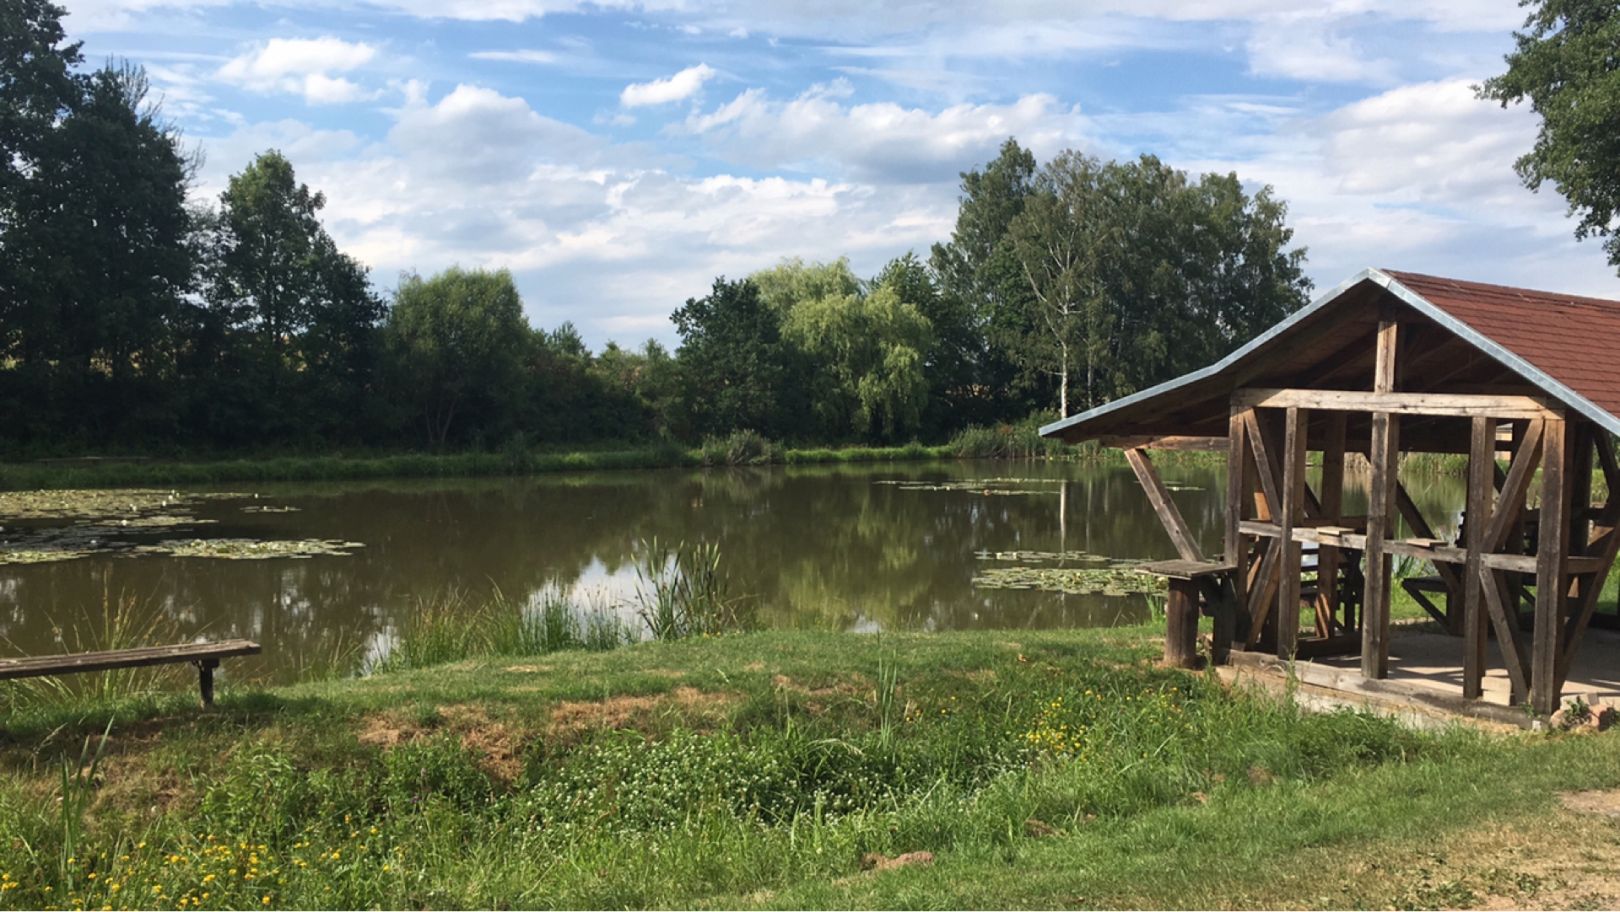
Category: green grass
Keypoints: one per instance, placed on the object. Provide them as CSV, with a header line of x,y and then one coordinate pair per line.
x,y
1040,769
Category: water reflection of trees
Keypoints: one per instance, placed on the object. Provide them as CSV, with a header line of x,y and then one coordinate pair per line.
x,y
819,546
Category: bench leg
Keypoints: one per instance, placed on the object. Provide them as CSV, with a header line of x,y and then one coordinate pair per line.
x,y
205,680
1181,625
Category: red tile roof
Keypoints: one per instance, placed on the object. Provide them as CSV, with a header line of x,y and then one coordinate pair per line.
x,y
1574,340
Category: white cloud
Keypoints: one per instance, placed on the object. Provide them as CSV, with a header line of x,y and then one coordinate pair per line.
x,y
881,141
302,66
477,135
523,55
1418,177
678,87
1312,48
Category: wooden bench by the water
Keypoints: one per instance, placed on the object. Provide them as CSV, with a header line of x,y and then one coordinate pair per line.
x,y
1190,583
205,656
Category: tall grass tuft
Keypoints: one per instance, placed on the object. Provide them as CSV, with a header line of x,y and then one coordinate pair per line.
x,y
739,448
1007,441
456,625
121,621
78,783
681,591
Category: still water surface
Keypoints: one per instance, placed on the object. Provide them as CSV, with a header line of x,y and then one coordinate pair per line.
x,y
859,548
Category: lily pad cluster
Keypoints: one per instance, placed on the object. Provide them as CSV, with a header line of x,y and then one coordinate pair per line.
x,y
251,549
1046,557
1114,581
988,487
44,526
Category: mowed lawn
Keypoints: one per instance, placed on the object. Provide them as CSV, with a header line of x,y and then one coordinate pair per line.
x,y
784,769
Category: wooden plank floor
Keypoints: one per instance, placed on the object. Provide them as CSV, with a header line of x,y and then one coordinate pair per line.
x,y
1433,662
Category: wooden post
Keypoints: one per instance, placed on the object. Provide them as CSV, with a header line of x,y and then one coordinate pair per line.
x,y
1293,511
1551,543
1481,478
1327,556
1238,487
1181,624
1580,486
1384,456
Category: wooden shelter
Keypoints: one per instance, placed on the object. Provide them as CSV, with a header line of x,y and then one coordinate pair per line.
x,y
1390,363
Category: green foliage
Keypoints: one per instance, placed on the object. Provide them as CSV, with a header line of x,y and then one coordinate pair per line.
x,y
96,264
291,320
732,361
1565,65
867,352
455,343
1137,274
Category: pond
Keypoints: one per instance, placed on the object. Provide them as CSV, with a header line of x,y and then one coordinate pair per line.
x,y
324,573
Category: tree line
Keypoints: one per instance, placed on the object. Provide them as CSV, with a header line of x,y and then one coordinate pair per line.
x,y
133,316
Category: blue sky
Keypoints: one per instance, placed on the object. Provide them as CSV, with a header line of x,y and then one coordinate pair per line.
x,y
617,156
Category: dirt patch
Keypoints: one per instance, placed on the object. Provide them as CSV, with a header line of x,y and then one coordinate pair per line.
x,y
527,669
1605,802
817,699
495,744
574,717
877,861
1558,860
755,665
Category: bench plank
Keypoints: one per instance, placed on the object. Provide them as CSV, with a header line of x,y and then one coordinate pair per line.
x,y
1184,569
39,666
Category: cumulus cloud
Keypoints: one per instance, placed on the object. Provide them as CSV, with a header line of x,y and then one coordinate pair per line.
x,y
882,140
302,66
1312,48
681,86
1418,177
477,135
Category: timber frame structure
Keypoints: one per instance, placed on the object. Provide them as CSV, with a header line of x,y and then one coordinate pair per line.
x,y
1385,364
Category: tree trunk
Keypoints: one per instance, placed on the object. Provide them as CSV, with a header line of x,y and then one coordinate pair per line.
x,y
1063,380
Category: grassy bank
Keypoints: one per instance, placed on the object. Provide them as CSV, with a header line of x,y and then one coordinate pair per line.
x,y
740,449
767,769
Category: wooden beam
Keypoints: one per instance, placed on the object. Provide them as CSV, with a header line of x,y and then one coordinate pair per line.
x,y
1260,447
1293,510
1453,405
1608,551
1164,505
1261,592
1611,478
1551,542
1507,633
1163,442
1481,473
1510,504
